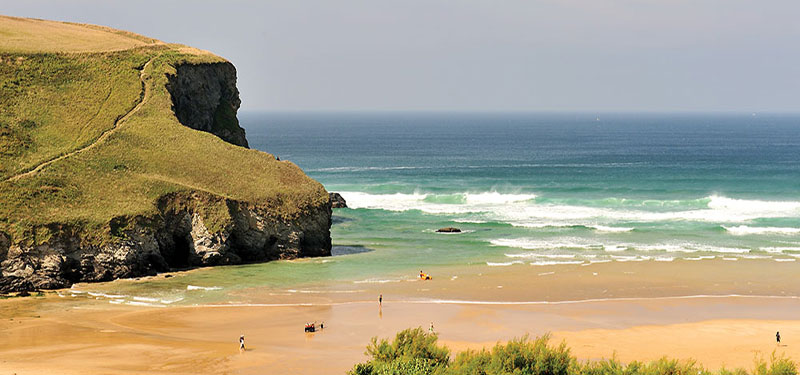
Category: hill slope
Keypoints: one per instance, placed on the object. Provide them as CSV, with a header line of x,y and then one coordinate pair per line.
x,y
121,155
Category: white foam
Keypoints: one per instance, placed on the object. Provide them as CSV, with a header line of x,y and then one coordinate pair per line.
x,y
171,301
785,259
664,259
378,281
532,243
755,256
743,230
780,249
195,287
503,264
602,228
569,243
523,210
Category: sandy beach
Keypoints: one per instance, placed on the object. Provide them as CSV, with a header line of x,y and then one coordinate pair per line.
x,y
66,335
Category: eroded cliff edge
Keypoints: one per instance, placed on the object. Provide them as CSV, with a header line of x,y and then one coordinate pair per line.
x,y
191,230
186,226
205,97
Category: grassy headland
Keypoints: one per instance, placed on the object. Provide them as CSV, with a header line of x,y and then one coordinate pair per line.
x,y
88,134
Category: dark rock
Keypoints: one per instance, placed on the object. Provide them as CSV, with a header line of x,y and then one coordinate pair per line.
x,y
448,230
177,238
337,201
205,97
167,276
14,284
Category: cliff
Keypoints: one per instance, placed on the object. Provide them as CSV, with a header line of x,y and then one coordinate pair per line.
x,y
205,97
128,161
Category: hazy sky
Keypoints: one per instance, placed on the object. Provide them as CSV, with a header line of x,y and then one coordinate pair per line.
x,y
598,55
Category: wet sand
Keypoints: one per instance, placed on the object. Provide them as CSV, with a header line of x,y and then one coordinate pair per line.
x,y
77,336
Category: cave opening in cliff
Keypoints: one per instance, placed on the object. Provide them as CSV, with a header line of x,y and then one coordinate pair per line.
x,y
179,256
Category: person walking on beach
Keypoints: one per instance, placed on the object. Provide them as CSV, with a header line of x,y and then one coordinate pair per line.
x,y
778,337
241,343
431,329
380,300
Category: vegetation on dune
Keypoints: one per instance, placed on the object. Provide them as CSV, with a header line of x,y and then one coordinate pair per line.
x,y
58,103
415,352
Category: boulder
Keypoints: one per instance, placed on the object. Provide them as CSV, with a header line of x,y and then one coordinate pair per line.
x,y
337,201
448,230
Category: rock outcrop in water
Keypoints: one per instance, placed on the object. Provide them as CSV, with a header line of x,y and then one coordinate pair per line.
x,y
337,201
449,230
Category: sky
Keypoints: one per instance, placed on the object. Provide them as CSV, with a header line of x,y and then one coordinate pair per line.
x,y
479,55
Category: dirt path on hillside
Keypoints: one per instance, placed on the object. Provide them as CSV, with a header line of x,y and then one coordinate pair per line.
x,y
142,100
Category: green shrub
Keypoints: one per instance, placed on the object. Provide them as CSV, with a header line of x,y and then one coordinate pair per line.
x,y
414,352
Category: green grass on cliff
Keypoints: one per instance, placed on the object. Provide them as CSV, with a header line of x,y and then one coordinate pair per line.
x,y
56,102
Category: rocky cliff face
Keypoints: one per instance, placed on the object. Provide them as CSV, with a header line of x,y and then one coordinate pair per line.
x,y
183,235
205,97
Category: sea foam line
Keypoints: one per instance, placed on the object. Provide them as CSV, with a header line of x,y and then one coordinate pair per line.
x,y
195,287
474,302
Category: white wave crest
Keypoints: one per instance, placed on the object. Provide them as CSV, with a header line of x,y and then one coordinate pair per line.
x,y
555,262
503,264
742,230
522,210
602,228
195,287
584,244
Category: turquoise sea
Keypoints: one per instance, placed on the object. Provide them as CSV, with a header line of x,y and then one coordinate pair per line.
x,y
527,190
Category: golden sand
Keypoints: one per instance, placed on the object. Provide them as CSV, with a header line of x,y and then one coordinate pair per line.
x,y
48,335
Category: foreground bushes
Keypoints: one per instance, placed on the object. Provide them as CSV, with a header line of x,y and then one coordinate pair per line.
x,y
415,352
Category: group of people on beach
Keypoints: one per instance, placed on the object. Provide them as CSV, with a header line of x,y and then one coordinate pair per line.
x,y
312,327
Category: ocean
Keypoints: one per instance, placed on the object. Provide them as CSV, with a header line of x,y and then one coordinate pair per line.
x,y
526,189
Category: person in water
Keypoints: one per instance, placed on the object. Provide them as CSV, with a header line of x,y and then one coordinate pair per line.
x,y
778,337
241,343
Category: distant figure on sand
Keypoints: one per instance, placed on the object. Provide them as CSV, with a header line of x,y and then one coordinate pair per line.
x,y
241,343
380,300
423,276
431,329
778,337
